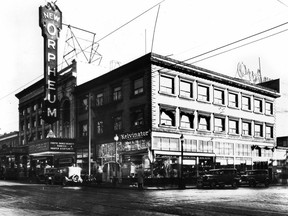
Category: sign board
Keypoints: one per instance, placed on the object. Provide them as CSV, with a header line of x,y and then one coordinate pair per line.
x,y
50,21
52,145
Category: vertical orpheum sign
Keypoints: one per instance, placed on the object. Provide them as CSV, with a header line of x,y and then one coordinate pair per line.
x,y
50,21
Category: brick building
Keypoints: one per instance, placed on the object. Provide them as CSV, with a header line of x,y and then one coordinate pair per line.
x,y
150,102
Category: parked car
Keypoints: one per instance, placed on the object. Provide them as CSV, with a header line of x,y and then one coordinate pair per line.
x,y
255,177
219,177
63,176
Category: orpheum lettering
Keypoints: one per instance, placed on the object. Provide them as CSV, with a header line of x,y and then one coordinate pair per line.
x,y
50,21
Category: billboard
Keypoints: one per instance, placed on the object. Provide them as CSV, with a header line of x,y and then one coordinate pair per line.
x,y
50,21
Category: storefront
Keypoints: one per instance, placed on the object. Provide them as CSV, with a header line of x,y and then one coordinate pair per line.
x,y
50,152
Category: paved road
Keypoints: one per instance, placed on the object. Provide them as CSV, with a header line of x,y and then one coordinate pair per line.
x,y
34,199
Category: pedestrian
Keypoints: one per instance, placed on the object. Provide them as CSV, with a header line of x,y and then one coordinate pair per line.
x,y
140,177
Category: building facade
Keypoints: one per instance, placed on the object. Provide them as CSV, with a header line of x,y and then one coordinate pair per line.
x,y
150,102
48,144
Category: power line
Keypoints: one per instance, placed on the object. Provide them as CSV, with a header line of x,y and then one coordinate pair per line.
x,y
240,46
237,41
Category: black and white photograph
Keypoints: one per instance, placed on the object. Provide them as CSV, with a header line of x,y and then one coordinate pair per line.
x,y
144,107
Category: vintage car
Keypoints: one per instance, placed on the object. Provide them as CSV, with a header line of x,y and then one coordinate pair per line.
x,y
219,177
63,176
255,177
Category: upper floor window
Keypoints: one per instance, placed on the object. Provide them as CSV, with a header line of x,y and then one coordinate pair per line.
x,y
219,124
233,126
246,128
117,125
138,86
219,96
99,99
84,103
167,117
246,103
269,108
186,120
203,93
100,127
269,132
83,129
258,130
117,93
137,116
186,89
233,100
203,122
167,84
258,107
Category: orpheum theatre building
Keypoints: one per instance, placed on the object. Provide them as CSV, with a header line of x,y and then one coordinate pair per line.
x,y
154,112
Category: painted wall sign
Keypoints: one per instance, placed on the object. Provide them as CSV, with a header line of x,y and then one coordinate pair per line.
x,y
50,21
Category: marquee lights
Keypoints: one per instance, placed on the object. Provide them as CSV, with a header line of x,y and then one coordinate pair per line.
x,y
50,21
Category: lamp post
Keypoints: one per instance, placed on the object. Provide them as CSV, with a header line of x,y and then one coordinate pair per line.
x,y
116,138
181,183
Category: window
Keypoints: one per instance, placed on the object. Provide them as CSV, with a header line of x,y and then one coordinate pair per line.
x,y
269,132
84,104
246,103
190,145
137,117
269,108
163,143
117,93
117,123
219,97
186,89
219,124
258,130
167,84
167,117
186,120
99,99
246,128
100,126
223,148
138,86
83,129
233,100
233,127
204,122
258,106
203,93
205,146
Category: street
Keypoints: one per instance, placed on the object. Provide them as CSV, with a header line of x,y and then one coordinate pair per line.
x,y
39,199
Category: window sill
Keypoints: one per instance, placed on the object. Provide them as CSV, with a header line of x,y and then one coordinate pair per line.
x,y
166,94
233,107
186,129
166,126
186,98
202,101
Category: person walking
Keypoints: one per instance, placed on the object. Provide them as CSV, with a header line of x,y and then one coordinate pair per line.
x,y
140,177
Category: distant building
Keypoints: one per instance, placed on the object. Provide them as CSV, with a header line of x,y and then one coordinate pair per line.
x,y
149,102
280,160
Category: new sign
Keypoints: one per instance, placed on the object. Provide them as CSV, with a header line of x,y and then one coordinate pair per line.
x,y
50,21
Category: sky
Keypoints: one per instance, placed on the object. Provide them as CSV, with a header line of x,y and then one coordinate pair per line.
x,y
180,29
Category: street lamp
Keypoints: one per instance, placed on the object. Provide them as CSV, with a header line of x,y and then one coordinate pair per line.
x,y
116,138
181,183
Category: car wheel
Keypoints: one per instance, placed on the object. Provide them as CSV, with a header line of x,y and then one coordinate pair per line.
x,y
213,184
75,178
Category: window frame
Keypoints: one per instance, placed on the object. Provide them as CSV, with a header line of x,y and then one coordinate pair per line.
x,y
182,91
216,100
259,133
249,128
258,109
233,131
202,97
117,94
269,111
138,90
221,126
231,103
163,87
244,105
171,113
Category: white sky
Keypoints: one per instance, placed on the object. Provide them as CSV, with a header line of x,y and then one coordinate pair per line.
x,y
185,28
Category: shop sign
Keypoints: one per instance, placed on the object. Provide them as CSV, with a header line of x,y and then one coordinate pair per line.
x,y
50,21
39,147
61,146
134,136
